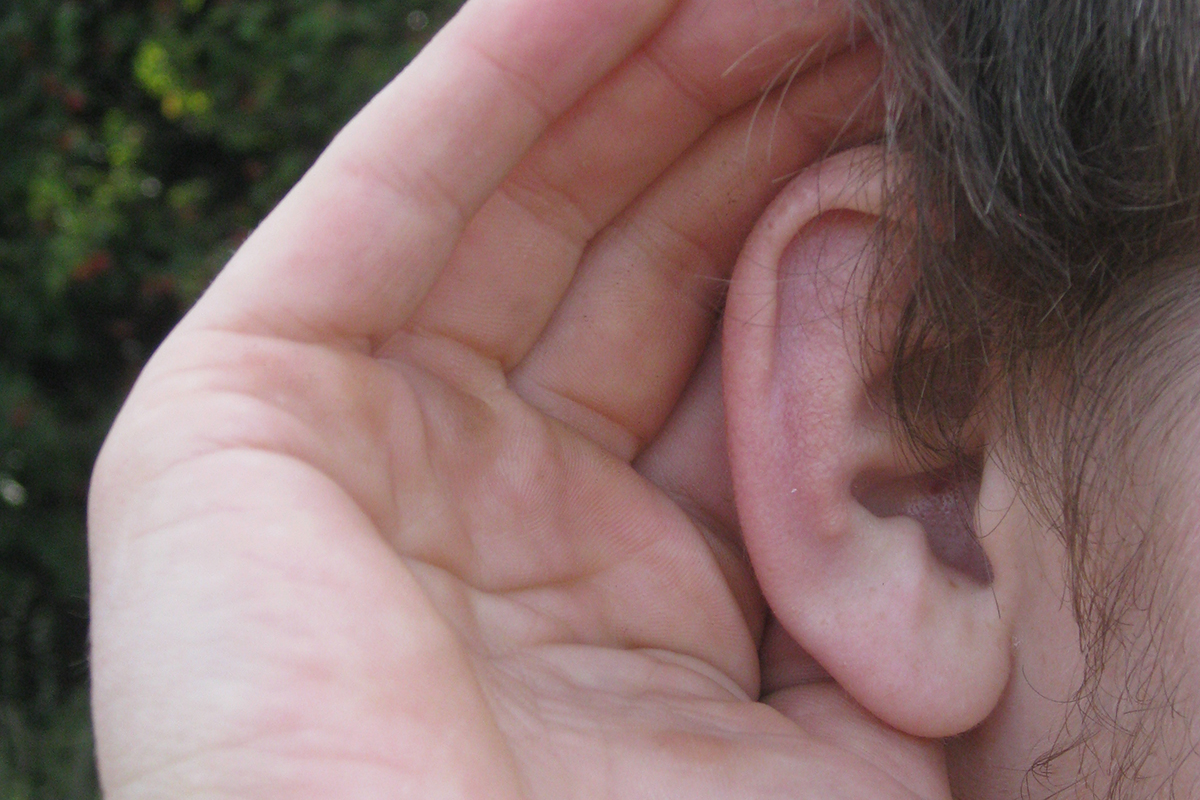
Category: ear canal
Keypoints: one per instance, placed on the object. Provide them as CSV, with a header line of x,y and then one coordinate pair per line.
x,y
870,565
943,502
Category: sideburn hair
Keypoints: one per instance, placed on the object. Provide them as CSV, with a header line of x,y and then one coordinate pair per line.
x,y
1045,190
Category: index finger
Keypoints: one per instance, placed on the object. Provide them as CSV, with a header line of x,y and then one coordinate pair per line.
x,y
356,244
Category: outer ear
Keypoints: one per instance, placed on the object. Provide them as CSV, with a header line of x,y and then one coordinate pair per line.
x,y
864,561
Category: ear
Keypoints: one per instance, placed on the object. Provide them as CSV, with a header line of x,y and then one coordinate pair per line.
x,y
869,563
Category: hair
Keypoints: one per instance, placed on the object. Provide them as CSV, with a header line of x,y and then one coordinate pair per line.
x,y
1046,195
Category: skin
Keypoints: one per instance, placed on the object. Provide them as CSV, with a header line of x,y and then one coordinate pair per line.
x,y
430,495
840,524
410,504
1137,717
836,518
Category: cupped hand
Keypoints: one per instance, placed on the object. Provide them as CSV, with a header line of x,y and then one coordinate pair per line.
x,y
427,497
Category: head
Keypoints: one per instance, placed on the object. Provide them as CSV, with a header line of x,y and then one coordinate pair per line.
x,y
963,384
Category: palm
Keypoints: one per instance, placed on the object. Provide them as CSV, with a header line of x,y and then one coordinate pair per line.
x,y
402,512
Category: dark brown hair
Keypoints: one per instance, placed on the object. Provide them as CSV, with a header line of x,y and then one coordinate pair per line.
x,y
1046,195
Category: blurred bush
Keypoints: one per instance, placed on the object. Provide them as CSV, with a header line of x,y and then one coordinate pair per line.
x,y
139,144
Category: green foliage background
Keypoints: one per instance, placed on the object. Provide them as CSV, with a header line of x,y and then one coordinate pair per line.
x,y
139,143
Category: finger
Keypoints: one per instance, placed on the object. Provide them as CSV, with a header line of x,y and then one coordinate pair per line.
x,y
355,246
520,252
689,462
620,347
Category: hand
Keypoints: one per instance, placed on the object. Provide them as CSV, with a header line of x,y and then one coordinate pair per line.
x,y
417,501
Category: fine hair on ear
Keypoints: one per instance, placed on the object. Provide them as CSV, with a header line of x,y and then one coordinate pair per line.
x,y
1048,206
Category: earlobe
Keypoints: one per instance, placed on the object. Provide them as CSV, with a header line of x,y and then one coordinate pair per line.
x,y
869,563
